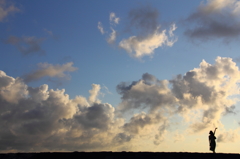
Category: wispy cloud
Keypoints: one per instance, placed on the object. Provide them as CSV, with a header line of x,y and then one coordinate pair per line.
x,y
27,45
7,9
100,27
45,69
112,36
113,18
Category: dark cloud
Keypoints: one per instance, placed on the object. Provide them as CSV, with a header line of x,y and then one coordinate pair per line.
x,y
230,110
27,45
139,121
145,19
122,138
97,116
39,119
216,19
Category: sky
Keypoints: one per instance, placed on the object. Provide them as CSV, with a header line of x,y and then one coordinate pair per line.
x,y
139,75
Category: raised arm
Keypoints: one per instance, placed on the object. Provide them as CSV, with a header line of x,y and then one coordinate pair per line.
x,y
214,131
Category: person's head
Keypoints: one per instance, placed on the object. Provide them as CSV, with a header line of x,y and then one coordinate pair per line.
x,y
211,133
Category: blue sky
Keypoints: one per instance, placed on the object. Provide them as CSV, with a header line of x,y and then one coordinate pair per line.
x,y
140,75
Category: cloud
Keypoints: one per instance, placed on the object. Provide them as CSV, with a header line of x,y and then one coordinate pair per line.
x,y
113,18
100,27
138,46
39,119
112,37
146,32
205,90
145,19
50,33
45,69
27,45
7,9
215,19
229,136
94,93
149,35
42,119
139,121
122,138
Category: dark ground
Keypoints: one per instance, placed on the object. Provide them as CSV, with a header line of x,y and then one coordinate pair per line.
x,y
119,155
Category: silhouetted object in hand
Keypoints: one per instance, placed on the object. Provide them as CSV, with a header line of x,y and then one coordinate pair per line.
x,y
212,142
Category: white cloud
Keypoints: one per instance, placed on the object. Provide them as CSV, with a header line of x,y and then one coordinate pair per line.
x,y
112,36
45,69
143,22
94,93
100,27
204,90
114,18
7,9
138,46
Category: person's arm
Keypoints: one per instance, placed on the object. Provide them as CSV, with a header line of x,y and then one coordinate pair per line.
x,y
214,131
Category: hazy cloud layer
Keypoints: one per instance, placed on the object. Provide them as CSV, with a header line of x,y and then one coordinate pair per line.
x,y
7,9
215,19
45,69
27,45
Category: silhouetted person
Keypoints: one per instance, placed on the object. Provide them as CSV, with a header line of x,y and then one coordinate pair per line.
x,y
212,142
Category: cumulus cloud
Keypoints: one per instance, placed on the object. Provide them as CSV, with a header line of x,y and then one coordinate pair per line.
x,y
7,9
45,69
43,119
94,93
27,45
139,121
38,119
215,19
205,89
